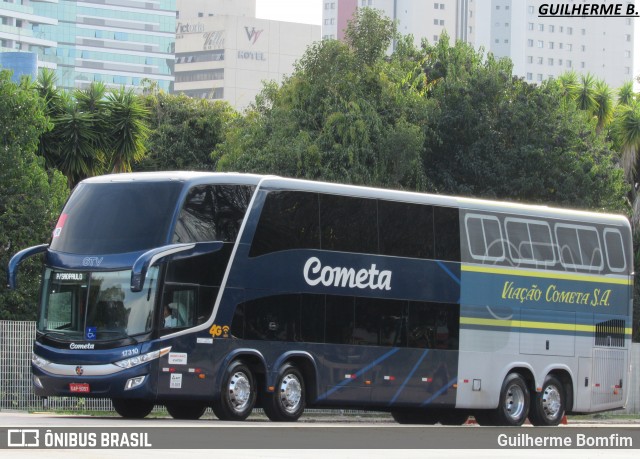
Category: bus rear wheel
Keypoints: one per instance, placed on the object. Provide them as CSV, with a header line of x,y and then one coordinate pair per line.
x,y
428,417
237,393
548,406
513,406
131,408
287,402
185,410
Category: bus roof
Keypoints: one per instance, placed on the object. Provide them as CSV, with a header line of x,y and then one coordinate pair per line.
x,y
276,182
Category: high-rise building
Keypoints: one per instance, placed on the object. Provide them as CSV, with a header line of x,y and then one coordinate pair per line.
x,y
118,42
545,47
540,47
16,31
420,18
224,52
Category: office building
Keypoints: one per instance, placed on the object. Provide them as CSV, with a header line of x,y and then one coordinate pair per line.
x,y
223,52
540,47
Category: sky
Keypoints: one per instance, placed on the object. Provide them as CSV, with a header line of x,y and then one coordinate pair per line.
x,y
305,11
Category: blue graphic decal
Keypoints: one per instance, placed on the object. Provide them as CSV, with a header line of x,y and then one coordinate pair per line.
x,y
359,373
413,370
439,392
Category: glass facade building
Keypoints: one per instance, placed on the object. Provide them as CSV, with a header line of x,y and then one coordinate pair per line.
x,y
117,42
21,64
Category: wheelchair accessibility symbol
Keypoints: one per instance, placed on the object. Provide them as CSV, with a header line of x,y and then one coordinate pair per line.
x,y
90,333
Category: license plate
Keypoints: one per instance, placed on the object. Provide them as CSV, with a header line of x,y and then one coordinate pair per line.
x,y
79,387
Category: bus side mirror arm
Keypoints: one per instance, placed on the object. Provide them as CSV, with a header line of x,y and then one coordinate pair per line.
x,y
167,253
12,269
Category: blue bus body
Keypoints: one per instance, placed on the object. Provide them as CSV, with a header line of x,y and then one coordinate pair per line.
x,y
317,294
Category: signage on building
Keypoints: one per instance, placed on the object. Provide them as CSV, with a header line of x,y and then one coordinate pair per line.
x,y
188,27
253,35
213,40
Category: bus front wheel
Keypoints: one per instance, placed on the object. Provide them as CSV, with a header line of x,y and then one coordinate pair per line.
x,y
237,393
184,410
287,402
548,406
131,408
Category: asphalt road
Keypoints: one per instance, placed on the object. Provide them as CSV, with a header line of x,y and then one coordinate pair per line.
x,y
319,437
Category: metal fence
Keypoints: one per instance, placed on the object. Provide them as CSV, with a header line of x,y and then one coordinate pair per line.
x,y
16,340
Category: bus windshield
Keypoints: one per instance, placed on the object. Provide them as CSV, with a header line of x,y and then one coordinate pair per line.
x,y
119,217
95,306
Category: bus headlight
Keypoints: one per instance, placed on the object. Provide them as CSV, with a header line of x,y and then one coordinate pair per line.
x,y
140,359
134,382
39,361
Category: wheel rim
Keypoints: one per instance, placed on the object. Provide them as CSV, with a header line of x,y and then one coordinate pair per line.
x,y
551,402
290,393
515,402
239,391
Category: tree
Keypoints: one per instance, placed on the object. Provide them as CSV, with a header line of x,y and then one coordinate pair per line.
x,y
184,131
127,130
31,197
347,113
499,137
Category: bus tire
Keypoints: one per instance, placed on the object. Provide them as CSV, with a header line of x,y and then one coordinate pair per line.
x,y
453,417
548,406
131,408
185,410
237,393
428,417
513,406
288,401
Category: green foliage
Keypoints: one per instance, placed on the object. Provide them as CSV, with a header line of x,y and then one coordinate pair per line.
x,y
347,114
30,197
183,132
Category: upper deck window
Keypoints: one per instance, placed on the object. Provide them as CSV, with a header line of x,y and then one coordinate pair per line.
x,y
530,241
484,236
116,217
213,213
579,247
615,250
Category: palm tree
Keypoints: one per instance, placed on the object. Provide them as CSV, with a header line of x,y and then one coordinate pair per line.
x,y
569,87
625,94
78,142
605,106
586,94
127,129
627,130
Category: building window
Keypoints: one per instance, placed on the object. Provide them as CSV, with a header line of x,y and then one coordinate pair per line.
x,y
568,63
506,40
584,31
628,37
627,53
541,27
569,30
530,25
551,45
550,61
539,76
559,61
540,60
552,28
529,59
540,44
531,10
529,76
582,65
529,43
627,70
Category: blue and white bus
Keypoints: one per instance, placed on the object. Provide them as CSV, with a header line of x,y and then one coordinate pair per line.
x,y
234,291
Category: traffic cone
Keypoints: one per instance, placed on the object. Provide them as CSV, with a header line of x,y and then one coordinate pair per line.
x,y
564,421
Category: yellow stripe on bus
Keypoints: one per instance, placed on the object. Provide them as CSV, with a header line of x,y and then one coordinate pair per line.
x,y
531,324
546,274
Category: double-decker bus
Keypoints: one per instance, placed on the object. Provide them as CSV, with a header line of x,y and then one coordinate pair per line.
x,y
233,291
